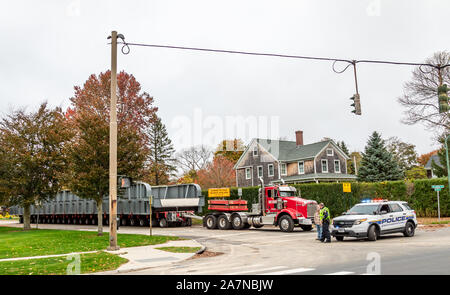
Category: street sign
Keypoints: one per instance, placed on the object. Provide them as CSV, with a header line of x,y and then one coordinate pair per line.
x,y
437,187
347,187
240,192
218,192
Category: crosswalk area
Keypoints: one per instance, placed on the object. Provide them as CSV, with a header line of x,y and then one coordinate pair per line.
x,y
254,269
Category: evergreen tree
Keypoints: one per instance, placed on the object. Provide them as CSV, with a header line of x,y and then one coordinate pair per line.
x,y
440,169
343,147
160,160
377,163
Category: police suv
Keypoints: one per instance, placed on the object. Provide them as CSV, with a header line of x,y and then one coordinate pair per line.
x,y
372,219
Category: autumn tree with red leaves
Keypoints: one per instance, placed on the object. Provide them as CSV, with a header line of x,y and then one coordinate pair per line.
x,y
218,173
89,152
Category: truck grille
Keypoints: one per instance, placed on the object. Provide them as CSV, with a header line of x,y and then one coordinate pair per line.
x,y
346,223
311,209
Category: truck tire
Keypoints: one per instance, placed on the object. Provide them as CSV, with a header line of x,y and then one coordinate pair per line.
x,y
286,223
163,223
211,222
306,227
237,222
223,223
409,229
372,233
142,222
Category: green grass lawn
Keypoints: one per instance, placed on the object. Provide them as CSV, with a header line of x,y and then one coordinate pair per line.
x,y
91,262
180,249
15,242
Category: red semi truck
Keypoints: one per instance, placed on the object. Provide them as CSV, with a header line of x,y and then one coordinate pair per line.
x,y
277,205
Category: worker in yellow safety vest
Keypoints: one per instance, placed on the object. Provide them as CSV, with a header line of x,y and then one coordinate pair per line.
x,y
325,219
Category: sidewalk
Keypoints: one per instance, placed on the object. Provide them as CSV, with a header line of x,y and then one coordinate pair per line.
x,y
148,257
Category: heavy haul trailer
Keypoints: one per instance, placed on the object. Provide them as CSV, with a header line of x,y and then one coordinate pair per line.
x,y
170,205
277,205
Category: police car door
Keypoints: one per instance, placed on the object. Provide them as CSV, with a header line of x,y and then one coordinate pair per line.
x,y
399,216
386,217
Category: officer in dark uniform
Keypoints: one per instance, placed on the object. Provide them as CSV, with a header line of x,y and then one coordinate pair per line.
x,y
325,219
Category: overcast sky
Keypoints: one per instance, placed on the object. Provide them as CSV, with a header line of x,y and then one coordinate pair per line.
x,y
47,47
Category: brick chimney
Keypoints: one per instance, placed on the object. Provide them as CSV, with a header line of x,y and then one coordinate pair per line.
x,y
299,137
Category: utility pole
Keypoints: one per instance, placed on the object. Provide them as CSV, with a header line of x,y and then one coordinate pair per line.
x,y
113,148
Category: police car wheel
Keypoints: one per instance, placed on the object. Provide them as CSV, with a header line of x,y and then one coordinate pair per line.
x,y
372,233
409,229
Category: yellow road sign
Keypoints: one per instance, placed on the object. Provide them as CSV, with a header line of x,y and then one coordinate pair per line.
x,y
218,192
347,187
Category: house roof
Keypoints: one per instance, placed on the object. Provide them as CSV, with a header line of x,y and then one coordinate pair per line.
x,y
285,150
436,160
318,176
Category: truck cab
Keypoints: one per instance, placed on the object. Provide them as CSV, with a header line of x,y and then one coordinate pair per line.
x,y
284,208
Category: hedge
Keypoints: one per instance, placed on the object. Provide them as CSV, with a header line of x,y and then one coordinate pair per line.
x,y
418,193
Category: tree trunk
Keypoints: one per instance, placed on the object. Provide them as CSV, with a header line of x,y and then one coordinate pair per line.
x,y
100,217
26,217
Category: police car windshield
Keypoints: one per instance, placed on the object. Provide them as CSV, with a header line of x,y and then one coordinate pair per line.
x,y
362,210
287,194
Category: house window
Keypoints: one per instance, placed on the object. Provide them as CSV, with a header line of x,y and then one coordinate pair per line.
x,y
301,167
330,152
248,174
255,151
324,166
337,166
270,168
283,169
260,171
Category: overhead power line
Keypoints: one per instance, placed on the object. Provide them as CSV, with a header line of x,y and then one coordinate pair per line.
x,y
126,50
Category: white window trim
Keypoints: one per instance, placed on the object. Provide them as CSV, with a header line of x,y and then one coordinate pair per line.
x,y
255,149
298,167
321,165
340,170
249,169
332,152
285,170
262,171
268,170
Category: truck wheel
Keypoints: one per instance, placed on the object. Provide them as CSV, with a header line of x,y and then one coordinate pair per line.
x,y
211,222
372,233
223,223
286,223
339,238
163,223
141,222
409,230
237,222
306,227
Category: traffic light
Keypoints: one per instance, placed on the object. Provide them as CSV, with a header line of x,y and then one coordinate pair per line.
x,y
443,98
356,104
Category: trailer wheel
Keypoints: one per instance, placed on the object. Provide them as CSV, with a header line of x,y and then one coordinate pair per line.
x,y
132,222
306,227
163,222
123,221
86,221
223,222
286,223
141,222
211,222
237,222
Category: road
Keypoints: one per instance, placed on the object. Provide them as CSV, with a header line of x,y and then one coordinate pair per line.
x,y
270,251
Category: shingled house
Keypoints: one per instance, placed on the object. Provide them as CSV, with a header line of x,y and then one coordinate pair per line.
x,y
292,162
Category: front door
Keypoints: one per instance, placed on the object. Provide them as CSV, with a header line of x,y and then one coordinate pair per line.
x,y
399,216
387,218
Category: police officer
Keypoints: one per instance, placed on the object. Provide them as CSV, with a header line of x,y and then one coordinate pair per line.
x,y
325,219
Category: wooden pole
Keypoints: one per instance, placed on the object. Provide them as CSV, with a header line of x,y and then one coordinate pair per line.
x,y
113,149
